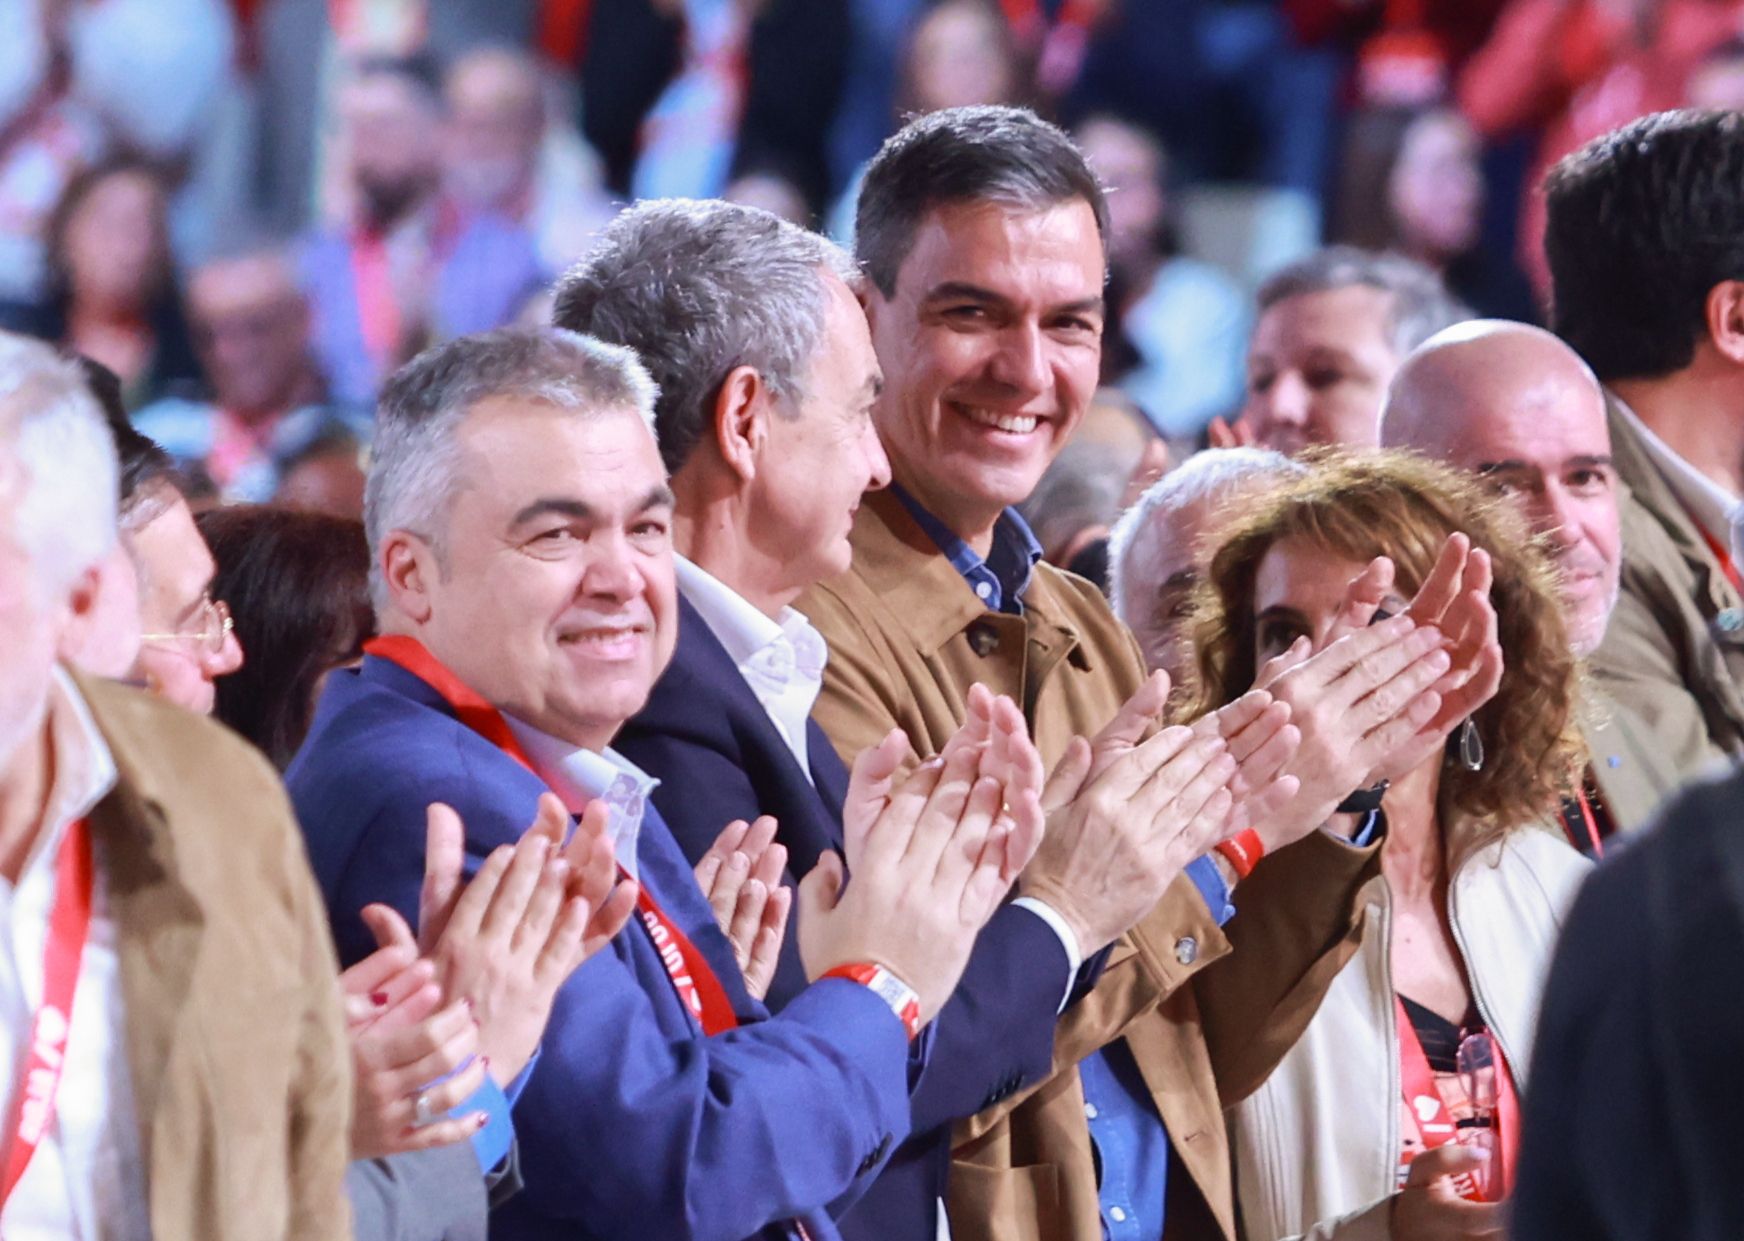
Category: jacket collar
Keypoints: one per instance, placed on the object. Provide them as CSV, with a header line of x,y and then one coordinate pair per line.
x,y
159,923
925,594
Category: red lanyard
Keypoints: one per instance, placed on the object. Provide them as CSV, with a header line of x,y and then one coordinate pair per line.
x,y
697,986
378,311
69,922
1434,1123
1723,556
1591,823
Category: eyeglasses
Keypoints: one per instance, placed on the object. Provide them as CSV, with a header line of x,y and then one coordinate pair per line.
x,y
212,625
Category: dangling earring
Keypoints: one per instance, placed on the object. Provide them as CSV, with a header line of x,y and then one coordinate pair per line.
x,y
1471,746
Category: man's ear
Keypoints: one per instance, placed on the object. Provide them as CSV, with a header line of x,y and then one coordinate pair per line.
x,y
99,634
1725,314
742,420
409,570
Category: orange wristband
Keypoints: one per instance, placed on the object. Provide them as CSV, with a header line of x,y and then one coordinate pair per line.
x,y
1243,852
903,999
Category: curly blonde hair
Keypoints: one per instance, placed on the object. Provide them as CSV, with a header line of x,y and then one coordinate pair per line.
x,y
1404,506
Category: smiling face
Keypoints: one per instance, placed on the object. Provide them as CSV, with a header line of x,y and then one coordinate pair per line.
x,y
990,346
1318,369
557,603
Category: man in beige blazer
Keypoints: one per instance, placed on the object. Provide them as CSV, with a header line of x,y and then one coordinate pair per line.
x,y
1643,237
981,234
1517,406
206,1082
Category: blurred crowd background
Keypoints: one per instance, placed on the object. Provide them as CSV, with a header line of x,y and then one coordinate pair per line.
x,y
254,210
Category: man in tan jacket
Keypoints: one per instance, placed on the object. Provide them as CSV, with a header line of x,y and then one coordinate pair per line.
x,y
981,232
164,964
1643,237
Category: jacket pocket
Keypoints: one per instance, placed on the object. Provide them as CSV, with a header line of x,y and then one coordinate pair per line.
x,y
1007,1204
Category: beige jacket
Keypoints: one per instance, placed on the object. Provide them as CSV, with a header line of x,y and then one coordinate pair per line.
x,y
1317,1146
907,639
1673,654
236,1042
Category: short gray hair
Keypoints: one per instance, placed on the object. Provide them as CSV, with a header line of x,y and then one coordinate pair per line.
x,y
984,153
698,288
415,467
67,487
1420,307
1209,475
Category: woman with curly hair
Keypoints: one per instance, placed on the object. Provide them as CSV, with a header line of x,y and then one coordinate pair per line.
x,y
1395,1114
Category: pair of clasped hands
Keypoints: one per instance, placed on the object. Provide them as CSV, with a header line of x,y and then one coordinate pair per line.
x,y
934,848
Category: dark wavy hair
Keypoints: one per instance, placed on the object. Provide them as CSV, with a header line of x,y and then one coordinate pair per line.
x,y
1404,506
297,585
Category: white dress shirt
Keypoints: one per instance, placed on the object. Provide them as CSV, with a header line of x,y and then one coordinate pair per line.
x,y
781,660
579,775
86,1181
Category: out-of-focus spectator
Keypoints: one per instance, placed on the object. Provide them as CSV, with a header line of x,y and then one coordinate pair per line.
x,y
403,272
1162,545
1224,83
47,136
502,156
1718,82
959,53
1570,70
251,326
1427,168
1187,322
111,294
773,191
327,476
679,95
298,587
1406,54
1331,332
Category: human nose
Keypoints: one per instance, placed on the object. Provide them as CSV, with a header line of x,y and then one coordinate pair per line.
x,y
1287,401
877,461
614,571
1022,361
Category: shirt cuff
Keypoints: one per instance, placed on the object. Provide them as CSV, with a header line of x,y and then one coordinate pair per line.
x,y
1364,836
1068,941
491,1144
1209,880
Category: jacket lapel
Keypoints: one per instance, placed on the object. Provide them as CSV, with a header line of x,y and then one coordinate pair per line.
x,y
159,922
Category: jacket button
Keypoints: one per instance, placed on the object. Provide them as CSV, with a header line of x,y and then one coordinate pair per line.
x,y
983,639
876,1157
1186,950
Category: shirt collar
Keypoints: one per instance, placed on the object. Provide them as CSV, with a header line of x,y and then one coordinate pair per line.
x,y
84,767
1001,578
579,775
1709,505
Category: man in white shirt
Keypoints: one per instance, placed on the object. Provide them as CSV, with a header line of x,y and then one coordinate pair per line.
x,y
1643,238
165,981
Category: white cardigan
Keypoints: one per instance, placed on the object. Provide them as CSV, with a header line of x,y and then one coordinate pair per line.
x,y
1317,1147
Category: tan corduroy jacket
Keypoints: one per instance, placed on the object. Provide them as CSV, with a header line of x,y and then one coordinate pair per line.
x,y
907,639
1673,654
236,1042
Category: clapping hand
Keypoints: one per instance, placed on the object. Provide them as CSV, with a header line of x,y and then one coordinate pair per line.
x,y
741,876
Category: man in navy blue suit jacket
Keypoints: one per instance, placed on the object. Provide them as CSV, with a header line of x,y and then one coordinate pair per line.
x,y
519,521
767,433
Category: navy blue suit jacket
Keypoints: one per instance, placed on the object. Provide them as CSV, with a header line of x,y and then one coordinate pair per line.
x,y
633,1125
720,757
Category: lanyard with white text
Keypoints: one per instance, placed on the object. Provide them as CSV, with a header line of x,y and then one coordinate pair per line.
x,y
69,923
698,988
1435,1124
